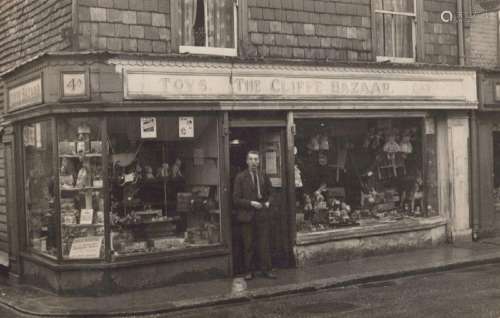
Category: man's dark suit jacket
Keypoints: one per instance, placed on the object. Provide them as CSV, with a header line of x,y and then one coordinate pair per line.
x,y
244,191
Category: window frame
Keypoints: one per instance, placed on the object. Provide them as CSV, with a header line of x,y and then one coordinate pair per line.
x,y
414,33
210,50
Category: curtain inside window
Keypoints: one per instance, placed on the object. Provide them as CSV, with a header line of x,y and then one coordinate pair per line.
x,y
212,26
394,32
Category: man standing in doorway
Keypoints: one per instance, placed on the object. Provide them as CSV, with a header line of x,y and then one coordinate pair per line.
x,y
251,203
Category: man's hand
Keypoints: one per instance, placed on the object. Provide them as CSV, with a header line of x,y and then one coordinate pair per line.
x,y
256,205
266,205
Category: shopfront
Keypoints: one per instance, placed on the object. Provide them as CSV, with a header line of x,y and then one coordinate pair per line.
x,y
123,167
486,169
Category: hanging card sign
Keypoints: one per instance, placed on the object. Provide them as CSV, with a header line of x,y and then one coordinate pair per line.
x,y
148,127
186,127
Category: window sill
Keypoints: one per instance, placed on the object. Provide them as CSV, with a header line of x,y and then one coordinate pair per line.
x,y
405,225
395,59
167,257
208,50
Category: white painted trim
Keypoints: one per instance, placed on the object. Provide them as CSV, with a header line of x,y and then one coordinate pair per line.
x,y
208,50
408,14
396,59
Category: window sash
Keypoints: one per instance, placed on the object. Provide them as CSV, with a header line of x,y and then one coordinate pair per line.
x,y
209,47
393,46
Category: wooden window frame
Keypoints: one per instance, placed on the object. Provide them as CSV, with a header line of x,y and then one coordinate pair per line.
x,y
416,21
210,50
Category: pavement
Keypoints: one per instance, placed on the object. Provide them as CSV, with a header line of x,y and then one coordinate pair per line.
x,y
36,302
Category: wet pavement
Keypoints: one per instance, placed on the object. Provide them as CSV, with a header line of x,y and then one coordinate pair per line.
x,y
472,292
373,272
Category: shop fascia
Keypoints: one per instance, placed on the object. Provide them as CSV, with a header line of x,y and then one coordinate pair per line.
x,y
274,82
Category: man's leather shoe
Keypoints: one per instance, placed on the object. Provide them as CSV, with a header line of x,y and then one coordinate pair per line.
x,y
249,276
268,275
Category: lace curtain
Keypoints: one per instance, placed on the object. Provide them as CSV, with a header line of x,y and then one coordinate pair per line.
x,y
208,23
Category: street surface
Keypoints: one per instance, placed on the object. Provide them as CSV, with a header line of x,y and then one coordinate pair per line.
x,y
470,292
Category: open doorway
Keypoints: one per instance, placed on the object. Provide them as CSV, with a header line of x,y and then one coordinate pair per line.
x,y
269,142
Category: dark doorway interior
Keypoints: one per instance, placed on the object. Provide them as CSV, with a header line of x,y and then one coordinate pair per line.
x,y
241,141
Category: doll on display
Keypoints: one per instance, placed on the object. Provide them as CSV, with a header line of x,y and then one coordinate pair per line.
x,y
308,207
405,145
148,170
83,178
417,196
83,143
313,144
391,147
176,169
323,143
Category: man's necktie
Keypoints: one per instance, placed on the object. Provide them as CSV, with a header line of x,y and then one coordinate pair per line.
x,y
257,184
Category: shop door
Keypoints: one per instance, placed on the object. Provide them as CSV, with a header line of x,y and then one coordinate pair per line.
x,y
496,179
270,142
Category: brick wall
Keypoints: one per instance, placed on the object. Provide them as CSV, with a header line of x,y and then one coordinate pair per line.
x,y
123,25
482,41
440,38
311,29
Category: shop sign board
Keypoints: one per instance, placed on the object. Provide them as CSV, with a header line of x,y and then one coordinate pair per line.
x,y
74,84
27,94
250,84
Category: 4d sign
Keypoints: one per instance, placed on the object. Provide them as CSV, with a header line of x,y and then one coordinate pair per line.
x,y
26,94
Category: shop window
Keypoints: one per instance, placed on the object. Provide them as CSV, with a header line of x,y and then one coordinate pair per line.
x,y
41,215
81,188
496,169
395,30
208,27
164,177
359,172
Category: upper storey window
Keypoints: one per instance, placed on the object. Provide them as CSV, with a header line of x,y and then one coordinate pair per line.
x,y
395,29
209,27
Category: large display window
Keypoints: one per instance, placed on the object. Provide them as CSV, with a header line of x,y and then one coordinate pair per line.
x,y
121,186
360,172
39,188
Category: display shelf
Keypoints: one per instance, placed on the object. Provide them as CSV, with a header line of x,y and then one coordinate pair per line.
x,y
83,225
80,189
172,220
85,155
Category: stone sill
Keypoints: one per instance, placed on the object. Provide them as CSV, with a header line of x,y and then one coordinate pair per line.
x,y
405,225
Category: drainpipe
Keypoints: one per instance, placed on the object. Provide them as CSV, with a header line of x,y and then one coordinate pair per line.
x,y
460,25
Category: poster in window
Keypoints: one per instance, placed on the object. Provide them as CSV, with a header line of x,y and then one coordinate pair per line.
x,y
86,247
29,136
186,127
148,127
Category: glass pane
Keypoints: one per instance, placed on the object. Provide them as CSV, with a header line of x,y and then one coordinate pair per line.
x,y
496,169
81,188
394,35
39,188
208,20
358,172
397,5
165,183
403,36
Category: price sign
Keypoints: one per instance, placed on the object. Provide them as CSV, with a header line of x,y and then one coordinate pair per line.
x,y
74,84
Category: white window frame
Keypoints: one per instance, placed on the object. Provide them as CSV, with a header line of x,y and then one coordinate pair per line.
x,y
210,50
393,58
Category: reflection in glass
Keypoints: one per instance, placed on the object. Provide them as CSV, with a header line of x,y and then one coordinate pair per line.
x,y
39,188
